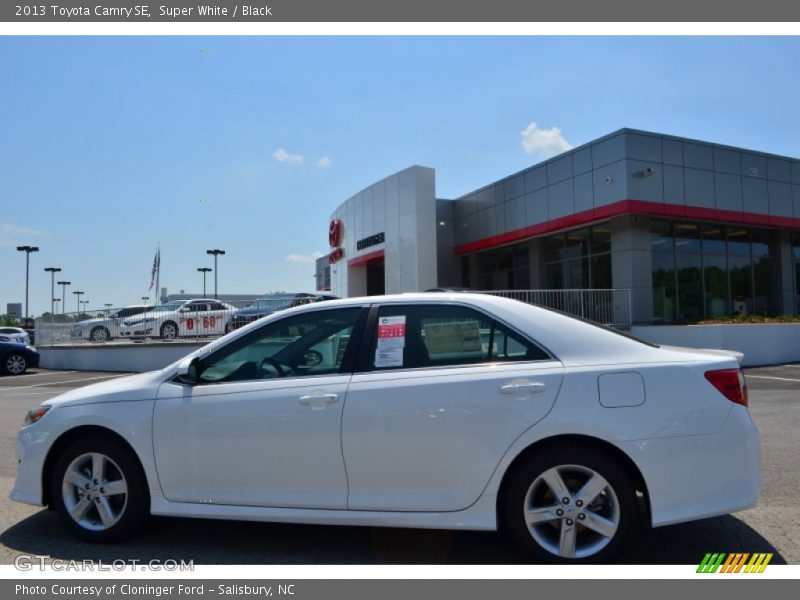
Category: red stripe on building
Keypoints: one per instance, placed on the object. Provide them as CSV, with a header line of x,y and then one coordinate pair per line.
x,y
624,207
366,259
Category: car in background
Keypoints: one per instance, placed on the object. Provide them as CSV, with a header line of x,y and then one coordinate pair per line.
x,y
14,334
462,411
270,303
105,329
16,358
180,318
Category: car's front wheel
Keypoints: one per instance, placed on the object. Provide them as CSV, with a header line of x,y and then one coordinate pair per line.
x,y
100,334
571,505
99,490
15,364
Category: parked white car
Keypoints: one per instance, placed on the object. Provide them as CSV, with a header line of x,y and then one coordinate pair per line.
x,y
14,334
451,411
105,329
179,318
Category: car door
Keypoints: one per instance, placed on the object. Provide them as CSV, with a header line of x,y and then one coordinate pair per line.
x,y
262,425
217,317
445,390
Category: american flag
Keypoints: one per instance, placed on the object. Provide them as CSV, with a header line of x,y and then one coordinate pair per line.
x,y
156,267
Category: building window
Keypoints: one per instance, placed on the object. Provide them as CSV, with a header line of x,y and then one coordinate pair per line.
x,y
708,270
505,268
578,259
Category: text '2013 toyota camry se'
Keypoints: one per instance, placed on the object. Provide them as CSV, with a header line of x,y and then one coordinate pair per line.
x,y
437,410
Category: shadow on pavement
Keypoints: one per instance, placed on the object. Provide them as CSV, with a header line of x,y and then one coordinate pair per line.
x,y
236,542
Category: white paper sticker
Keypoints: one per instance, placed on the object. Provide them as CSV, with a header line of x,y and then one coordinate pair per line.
x,y
393,357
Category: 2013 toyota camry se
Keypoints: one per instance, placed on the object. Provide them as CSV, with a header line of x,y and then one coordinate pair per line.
x,y
450,411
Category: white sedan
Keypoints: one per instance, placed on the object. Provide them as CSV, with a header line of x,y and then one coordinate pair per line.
x,y
450,411
105,329
14,334
179,318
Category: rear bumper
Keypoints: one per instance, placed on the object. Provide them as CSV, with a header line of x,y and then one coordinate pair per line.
x,y
695,477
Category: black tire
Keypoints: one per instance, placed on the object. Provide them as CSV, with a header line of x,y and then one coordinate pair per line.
x,y
135,507
163,332
94,334
14,364
572,462
228,328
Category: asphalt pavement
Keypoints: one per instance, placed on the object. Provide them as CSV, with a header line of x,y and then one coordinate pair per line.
x,y
772,526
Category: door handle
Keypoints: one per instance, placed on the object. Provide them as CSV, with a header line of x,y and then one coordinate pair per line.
x,y
522,388
318,399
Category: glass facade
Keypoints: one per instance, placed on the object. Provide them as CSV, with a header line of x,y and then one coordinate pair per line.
x,y
707,270
578,259
796,254
506,268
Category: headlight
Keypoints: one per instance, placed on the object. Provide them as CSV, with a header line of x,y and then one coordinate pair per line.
x,y
35,414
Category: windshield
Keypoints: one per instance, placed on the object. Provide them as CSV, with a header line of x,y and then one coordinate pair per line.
x,y
174,305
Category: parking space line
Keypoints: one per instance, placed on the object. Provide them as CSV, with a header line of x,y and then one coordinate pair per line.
x,y
56,383
775,378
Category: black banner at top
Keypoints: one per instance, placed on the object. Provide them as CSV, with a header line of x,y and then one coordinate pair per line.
x,y
186,11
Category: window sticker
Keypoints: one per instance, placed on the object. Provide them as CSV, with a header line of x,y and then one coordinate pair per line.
x,y
391,333
393,357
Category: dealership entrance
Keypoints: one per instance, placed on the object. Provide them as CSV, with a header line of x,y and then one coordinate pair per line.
x,y
376,279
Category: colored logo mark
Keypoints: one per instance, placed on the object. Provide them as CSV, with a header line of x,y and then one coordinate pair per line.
x,y
736,562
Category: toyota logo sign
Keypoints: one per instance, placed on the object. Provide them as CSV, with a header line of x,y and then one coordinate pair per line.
x,y
335,233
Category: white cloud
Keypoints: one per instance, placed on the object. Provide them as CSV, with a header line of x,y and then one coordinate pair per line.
x,y
547,142
12,235
282,155
304,259
324,162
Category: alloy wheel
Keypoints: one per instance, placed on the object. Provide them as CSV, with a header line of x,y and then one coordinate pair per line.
x,y
94,491
571,511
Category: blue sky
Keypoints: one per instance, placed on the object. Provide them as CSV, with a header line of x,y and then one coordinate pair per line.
x,y
110,146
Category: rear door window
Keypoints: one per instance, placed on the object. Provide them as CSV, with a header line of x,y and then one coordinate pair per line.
x,y
419,336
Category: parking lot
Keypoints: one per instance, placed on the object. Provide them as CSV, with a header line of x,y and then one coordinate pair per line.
x,y
773,526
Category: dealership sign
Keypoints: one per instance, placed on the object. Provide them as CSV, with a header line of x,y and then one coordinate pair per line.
x,y
372,240
335,234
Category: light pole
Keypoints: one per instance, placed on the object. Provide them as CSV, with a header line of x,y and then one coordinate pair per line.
x,y
145,299
215,253
52,271
56,301
108,308
83,308
78,294
204,270
27,250
63,285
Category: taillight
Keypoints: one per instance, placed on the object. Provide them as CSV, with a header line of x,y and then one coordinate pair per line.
x,y
730,383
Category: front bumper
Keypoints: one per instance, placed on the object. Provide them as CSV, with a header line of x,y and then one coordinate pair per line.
x,y
32,446
695,477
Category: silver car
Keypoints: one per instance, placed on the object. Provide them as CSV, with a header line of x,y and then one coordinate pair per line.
x,y
105,329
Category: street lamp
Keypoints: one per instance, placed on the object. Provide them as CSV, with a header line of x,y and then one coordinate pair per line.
x,y
145,299
204,270
83,308
78,294
27,250
52,271
215,253
63,285
108,308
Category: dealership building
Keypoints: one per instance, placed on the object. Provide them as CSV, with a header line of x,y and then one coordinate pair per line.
x,y
693,229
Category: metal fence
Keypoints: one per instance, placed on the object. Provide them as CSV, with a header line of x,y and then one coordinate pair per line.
x,y
605,306
205,319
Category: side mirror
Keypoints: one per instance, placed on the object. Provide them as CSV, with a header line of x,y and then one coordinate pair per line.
x,y
188,371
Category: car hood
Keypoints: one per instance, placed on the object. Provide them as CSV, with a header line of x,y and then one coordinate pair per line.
x,y
90,322
142,386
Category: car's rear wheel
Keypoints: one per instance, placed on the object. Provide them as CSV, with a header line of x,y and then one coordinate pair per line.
x,y
99,490
570,505
15,364
169,331
100,334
